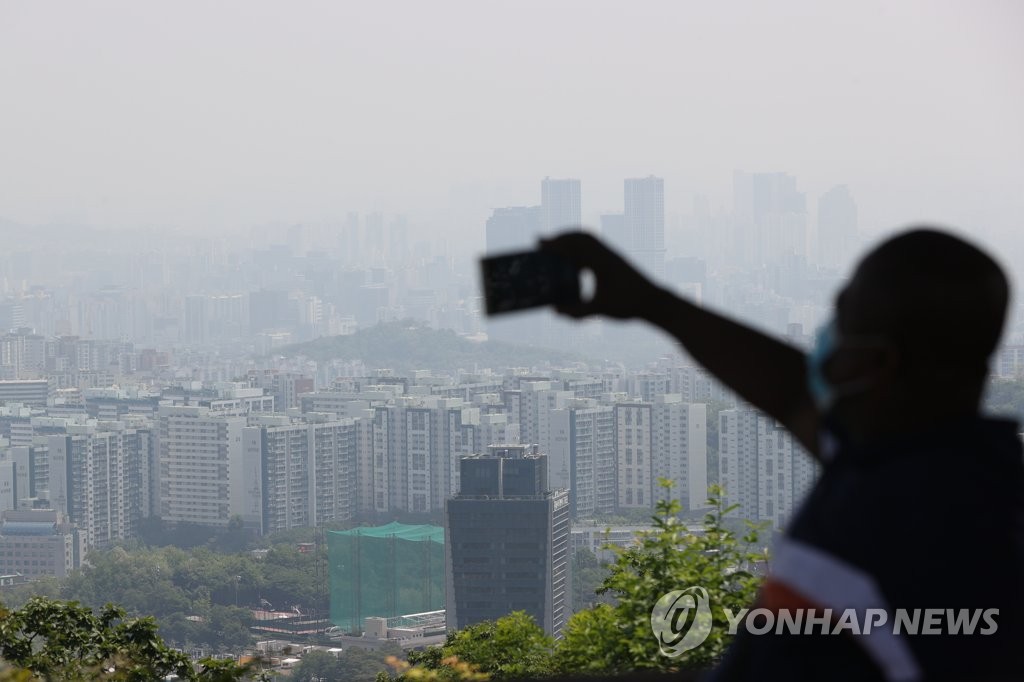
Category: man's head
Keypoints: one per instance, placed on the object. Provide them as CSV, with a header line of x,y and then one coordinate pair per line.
x,y
916,326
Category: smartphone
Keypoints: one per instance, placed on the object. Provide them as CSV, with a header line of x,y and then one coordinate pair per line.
x,y
529,279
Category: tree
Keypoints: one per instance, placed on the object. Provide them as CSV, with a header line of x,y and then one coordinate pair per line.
x,y
588,575
511,647
67,641
318,666
615,639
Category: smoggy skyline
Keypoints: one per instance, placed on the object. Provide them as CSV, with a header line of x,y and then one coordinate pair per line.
x,y
208,116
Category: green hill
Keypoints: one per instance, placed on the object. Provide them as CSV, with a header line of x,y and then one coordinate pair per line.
x,y
404,346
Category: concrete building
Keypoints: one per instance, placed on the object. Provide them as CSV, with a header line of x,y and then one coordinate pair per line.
x,y
507,541
298,472
559,205
614,232
97,474
38,543
581,456
761,468
202,479
770,218
737,461
679,435
838,239
645,223
515,228
26,392
786,472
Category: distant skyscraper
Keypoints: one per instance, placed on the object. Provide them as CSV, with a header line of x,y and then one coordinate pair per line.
x,y
350,248
507,541
513,229
560,205
398,240
645,222
770,218
197,320
614,232
374,242
837,227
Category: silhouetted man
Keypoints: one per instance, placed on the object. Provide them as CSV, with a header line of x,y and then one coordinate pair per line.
x,y
921,500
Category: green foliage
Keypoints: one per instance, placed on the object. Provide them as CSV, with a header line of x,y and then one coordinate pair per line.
x,y
616,638
408,345
510,647
199,597
610,639
588,575
354,665
64,640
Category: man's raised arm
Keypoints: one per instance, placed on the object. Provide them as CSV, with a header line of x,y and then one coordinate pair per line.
x,y
767,373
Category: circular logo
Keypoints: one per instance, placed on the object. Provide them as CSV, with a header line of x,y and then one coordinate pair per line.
x,y
681,620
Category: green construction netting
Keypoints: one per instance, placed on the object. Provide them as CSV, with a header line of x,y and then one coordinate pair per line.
x,y
385,571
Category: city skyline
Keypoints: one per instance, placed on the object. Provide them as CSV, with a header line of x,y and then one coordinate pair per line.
x,y
142,151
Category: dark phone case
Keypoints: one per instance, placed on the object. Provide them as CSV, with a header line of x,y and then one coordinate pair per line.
x,y
529,279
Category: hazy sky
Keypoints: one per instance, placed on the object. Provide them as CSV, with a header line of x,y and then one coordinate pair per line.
x,y
225,113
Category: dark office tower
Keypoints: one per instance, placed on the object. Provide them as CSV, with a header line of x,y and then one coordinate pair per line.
x,y
614,232
513,229
645,222
507,541
837,227
560,204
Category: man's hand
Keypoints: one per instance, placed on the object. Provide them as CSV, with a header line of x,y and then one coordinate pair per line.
x,y
620,290
767,373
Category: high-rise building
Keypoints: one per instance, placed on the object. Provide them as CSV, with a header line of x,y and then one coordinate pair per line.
x,y
761,468
770,218
837,227
96,476
507,541
515,228
664,438
615,233
581,456
534,402
201,475
12,316
785,472
417,442
645,223
737,461
560,205
373,244
298,472
197,320
679,434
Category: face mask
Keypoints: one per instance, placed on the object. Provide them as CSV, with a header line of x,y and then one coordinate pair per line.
x,y
823,392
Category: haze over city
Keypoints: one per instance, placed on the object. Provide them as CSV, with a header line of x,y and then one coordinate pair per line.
x,y
215,116
344,337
